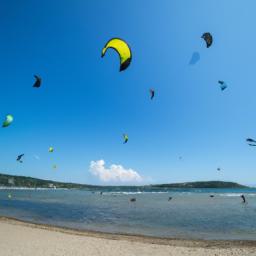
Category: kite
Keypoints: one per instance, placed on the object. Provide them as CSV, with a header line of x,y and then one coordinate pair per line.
x,y
19,158
251,142
223,85
38,81
126,138
8,120
208,39
122,48
195,58
218,169
152,93
51,149
54,166
36,157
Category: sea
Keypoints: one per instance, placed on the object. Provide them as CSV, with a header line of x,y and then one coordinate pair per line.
x,y
165,213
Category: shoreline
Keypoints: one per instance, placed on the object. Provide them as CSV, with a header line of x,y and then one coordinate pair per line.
x,y
187,243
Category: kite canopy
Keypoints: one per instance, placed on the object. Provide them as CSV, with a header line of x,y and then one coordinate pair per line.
x,y
251,142
19,158
208,39
8,120
126,138
54,166
51,149
152,93
122,48
38,81
223,85
195,58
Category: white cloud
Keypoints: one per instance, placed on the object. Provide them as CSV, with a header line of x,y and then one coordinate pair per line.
x,y
115,173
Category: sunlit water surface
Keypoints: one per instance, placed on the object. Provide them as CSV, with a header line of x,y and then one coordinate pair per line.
x,y
190,213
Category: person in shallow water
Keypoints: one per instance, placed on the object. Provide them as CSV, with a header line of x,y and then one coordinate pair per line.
x,y
170,198
133,199
243,197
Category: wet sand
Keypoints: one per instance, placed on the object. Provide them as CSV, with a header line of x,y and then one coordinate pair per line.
x,y
28,239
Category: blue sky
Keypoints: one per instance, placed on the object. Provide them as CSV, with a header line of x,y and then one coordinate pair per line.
x,y
85,104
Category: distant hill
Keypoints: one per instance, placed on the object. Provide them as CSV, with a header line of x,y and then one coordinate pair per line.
x,y
202,184
28,182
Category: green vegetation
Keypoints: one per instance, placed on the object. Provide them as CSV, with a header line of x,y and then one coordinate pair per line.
x,y
202,184
21,181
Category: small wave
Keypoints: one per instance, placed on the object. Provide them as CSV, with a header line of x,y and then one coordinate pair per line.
x,y
135,193
185,193
24,188
237,194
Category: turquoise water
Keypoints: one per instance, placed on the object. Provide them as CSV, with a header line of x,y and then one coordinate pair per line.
x,y
190,213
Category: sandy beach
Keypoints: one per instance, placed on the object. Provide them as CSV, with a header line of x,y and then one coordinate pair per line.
x,y
27,239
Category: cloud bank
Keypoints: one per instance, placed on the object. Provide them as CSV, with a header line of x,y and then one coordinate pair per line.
x,y
115,173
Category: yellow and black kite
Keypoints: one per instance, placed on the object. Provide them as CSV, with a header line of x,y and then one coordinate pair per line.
x,y
122,48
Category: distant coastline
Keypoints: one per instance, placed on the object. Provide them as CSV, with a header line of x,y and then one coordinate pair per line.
x,y
23,182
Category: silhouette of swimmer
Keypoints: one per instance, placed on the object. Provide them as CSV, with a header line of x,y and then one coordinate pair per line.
x,y
170,198
133,199
211,195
